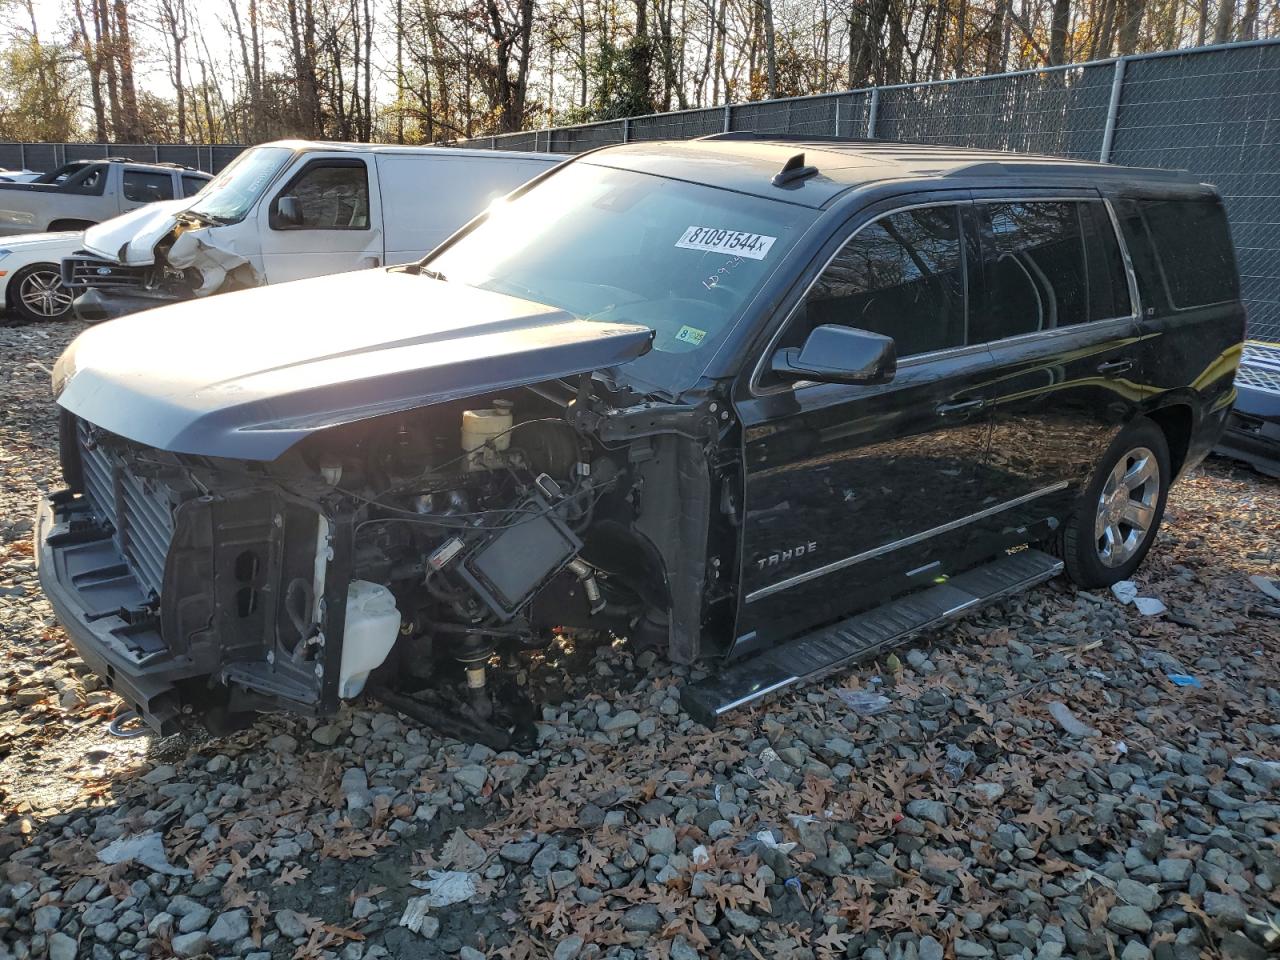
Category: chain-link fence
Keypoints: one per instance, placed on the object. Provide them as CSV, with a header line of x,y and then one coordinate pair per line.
x,y
1214,111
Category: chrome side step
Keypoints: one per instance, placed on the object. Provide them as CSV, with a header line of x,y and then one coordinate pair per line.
x,y
831,648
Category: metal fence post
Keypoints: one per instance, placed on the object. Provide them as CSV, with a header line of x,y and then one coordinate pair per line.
x,y
871,113
728,118
837,116
626,129
1113,110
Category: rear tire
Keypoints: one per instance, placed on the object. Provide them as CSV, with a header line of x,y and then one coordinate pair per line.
x,y
36,294
1117,517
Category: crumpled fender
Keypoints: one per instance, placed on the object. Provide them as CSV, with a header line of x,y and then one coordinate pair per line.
x,y
196,249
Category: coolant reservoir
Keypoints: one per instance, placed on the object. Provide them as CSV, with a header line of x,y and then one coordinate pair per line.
x,y
372,625
481,426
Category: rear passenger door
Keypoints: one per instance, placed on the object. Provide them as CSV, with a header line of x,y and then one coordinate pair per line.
x,y
1057,314
857,493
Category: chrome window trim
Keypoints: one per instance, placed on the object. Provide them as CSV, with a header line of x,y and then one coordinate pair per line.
x,y
799,578
1131,275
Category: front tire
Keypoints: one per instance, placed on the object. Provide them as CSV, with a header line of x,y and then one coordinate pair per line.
x,y
1115,522
36,294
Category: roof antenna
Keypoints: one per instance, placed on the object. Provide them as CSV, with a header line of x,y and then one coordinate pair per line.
x,y
792,171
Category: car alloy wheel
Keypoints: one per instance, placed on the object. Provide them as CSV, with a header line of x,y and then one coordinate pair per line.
x,y
1127,506
42,294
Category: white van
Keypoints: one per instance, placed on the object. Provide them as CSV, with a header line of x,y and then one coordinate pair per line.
x,y
287,210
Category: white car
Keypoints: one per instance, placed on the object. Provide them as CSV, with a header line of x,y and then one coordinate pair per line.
x,y
31,287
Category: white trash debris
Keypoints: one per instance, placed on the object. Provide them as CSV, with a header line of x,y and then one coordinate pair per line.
x,y
1148,606
145,849
415,914
1126,591
700,855
1068,721
444,888
1266,586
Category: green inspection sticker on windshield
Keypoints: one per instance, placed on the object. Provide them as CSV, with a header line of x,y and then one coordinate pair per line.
x,y
691,335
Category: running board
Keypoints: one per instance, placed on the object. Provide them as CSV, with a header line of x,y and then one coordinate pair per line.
x,y
824,651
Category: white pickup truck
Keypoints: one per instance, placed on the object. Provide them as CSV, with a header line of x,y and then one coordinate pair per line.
x,y
79,194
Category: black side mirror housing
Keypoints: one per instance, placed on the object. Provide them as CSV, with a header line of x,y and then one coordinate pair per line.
x,y
836,354
287,212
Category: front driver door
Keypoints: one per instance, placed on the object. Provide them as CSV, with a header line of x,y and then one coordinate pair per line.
x,y
337,225
856,493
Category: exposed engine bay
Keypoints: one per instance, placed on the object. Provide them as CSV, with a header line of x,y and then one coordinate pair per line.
x,y
410,553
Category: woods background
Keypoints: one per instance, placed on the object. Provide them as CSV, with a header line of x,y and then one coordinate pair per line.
x,y
216,71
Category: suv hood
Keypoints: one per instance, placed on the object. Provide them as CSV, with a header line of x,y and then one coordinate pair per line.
x,y
249,374
131,237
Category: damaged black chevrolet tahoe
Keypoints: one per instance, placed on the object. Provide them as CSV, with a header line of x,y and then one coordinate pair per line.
x,y
774,404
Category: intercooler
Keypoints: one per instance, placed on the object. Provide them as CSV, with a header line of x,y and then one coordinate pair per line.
x,y
139,510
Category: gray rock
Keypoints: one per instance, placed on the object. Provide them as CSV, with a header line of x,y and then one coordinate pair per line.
x,y
1138,894
289,924
1129,917
190,944
1135,950
971,948
195,918
45,919
61,947
472,778
518,852
930,948
741,922
660,840
1226,910
355,789
1175,870
682,950
617,722
569,948
326,735
989,792
230,927
935,811
283,744
642,918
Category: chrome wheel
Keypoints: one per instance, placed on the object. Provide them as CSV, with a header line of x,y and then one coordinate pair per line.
x,y
1127,506
42,294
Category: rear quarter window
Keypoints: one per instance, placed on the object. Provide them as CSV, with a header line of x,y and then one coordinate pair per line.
x,y
1192,247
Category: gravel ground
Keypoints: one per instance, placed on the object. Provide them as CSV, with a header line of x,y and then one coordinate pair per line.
x,y
1036,788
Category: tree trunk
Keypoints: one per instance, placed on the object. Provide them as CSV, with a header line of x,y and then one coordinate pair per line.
x,y
770,50
1058,32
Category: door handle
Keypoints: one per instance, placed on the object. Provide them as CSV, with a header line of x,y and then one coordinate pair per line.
x,y
1113,368
958,407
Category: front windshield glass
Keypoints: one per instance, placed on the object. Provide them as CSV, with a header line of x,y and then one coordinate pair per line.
x,y
616,246
230,195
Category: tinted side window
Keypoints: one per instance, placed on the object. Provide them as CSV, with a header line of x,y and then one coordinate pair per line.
x,y
1193,244
332,197
902,276
1108,278
142,186
1033,265
89,181
192,185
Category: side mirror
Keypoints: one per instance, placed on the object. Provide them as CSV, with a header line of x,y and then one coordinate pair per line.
x,y
836,354
287,213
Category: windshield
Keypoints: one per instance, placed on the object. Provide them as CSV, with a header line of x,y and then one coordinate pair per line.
x,y
617,246
232,193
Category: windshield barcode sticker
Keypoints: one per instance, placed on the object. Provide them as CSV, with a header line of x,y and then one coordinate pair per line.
x,y
737,243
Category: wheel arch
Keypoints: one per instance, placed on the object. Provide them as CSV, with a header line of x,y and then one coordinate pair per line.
x,y
1176,421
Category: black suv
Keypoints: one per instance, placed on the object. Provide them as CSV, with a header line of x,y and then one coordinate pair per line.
x,y
777,402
